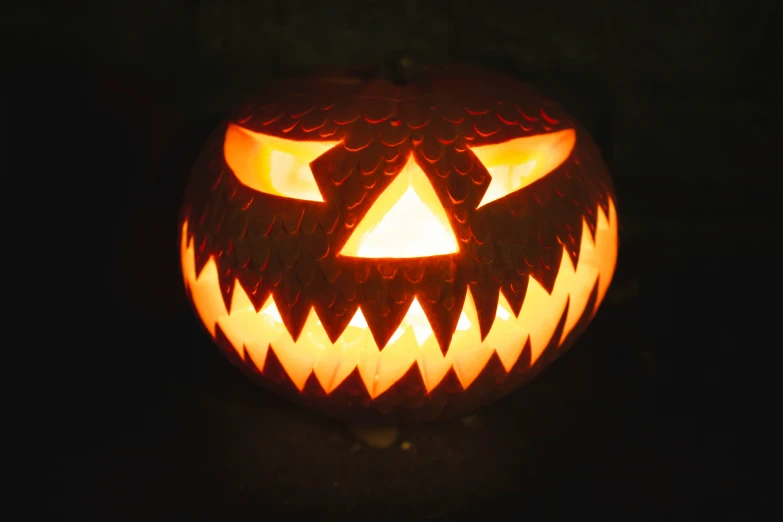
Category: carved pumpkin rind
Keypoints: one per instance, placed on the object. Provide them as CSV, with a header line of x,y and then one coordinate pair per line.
x,y
289,250
408,401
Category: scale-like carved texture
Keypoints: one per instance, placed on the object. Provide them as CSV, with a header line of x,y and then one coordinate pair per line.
x,y
290,248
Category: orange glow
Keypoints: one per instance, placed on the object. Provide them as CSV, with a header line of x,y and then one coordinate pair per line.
x,y
413,342
406,221
517,163
274,165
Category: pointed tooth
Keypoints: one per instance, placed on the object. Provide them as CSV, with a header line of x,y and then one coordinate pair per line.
x,y
508,335
468,363
259,330
298,358
240,302
241,319
380,326
186,258
433,366
381,370
204,289
368,365
335,324
326,355
445,322
485,298
515,293
580,281
327,367
205,293
368,355
416,318
468,354
606,244
294,317
338,360
257,354
542,311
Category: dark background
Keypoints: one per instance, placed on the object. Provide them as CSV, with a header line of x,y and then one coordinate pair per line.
x,y
137,416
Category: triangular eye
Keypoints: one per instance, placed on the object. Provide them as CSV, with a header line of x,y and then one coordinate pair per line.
x,y
517,163
275,166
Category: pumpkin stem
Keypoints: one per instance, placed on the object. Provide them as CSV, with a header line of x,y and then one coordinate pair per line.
x,y
401,70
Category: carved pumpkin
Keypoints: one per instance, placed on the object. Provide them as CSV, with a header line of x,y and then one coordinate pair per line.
x,y
413,251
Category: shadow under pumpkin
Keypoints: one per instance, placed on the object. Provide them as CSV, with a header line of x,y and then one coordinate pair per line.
x,y
411,338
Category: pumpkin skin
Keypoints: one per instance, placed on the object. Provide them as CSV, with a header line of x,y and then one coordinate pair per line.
x,y
275,269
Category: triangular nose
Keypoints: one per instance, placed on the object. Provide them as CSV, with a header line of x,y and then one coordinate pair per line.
x,y
406,221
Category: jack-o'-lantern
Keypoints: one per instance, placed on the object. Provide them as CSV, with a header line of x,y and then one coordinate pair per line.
x,y
404,251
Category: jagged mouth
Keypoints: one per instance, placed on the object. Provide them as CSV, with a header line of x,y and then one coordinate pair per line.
x,y
253,332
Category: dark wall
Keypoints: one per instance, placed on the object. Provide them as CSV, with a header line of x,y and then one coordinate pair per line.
x,y
679,94
656,74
